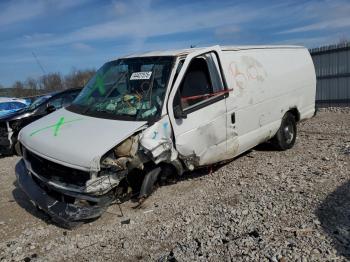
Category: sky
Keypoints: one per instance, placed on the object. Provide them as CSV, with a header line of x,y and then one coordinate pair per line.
x,y
65,35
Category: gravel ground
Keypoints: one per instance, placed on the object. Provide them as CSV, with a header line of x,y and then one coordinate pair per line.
x,y
263,206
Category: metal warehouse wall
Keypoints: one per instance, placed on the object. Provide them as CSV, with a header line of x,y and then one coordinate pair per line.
x,y
332,65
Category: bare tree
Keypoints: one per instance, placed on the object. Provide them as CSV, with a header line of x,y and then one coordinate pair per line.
x,y
2,90
343,40
17,89
51,82
78,78
48,83
32,86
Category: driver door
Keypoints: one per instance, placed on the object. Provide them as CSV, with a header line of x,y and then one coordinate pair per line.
x,y
197,109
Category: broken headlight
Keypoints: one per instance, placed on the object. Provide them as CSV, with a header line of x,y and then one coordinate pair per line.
x,y
125,156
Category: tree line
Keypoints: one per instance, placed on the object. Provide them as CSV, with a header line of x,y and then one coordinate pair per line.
x,y
48,83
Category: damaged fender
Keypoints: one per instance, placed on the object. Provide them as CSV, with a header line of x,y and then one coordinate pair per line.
x,y
153,144
157,140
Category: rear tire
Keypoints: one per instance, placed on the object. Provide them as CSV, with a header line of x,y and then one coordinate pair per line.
x,y
286,134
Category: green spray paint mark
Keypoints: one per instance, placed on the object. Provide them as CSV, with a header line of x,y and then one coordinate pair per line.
x,y
100,83
56,127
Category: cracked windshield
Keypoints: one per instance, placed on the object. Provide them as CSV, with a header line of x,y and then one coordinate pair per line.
x,y
130,89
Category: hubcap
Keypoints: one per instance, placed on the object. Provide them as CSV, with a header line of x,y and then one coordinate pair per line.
x,y
289,133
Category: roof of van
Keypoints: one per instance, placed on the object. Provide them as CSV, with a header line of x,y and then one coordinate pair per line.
x,y
187,51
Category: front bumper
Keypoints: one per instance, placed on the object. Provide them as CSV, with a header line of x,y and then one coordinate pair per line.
x,y
65,214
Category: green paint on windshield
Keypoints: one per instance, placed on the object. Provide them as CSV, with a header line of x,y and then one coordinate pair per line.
x,y
56,127
100,83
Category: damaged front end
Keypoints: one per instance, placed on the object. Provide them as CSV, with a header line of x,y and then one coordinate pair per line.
x,y
131,169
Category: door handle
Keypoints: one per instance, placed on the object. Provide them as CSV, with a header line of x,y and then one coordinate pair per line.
x,y
233,118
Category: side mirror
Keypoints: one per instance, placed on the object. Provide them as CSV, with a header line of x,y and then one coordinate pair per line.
x,y
179,113
50,109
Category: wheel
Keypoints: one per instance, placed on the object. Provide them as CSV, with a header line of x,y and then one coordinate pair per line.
x,y
148,182
286,134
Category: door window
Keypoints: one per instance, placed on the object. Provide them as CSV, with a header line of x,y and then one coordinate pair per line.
x,y
5,106
201,82
56,102
69,98
17,105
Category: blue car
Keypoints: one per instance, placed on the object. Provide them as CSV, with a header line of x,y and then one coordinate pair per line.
x,y
10,105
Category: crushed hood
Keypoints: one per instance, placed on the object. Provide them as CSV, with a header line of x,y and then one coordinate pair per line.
x,y
76,140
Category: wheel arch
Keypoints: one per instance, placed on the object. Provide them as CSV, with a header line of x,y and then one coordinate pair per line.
x,y
295,112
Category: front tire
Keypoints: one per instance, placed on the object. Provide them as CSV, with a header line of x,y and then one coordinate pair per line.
x,y
286,134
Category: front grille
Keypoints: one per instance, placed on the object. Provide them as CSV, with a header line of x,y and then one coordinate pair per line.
x,y
56,172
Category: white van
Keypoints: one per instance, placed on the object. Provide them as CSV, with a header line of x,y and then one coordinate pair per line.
x,y
143,118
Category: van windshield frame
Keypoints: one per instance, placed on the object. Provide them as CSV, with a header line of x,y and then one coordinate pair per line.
x,y
131,89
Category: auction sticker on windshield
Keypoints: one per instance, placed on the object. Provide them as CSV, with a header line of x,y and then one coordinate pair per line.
x,y
141,75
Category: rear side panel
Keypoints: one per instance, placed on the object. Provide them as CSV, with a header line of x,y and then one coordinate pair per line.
x,y
266,84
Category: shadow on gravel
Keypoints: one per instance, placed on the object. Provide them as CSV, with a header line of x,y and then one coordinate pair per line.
x,y
334,215
265,147
22,200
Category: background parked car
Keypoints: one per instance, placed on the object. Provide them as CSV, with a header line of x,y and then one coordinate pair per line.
x,y
10,105
12,123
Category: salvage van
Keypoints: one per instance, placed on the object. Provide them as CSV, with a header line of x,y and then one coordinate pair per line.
x,y
150,117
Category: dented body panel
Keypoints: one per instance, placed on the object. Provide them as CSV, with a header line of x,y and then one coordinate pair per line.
x,y
80,152
210,105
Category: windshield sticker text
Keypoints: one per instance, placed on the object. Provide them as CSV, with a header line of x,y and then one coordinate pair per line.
x,y
141,76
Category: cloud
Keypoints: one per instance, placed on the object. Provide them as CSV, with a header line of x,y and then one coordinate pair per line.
x,y
82,47
325,25
306,41
120,8
226,32
322,16
37,36
22,10
102,28
17,11
146,22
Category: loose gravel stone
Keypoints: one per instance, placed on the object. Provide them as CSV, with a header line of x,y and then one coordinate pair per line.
x,y
265,205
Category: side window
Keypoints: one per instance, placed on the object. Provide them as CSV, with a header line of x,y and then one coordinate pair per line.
x,y
16,105
56,102
13,105
5,106
68,98
201,82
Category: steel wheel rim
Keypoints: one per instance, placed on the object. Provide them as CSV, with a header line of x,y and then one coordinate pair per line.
x,y
289,133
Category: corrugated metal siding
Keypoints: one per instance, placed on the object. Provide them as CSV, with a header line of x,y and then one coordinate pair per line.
x,y
332,66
